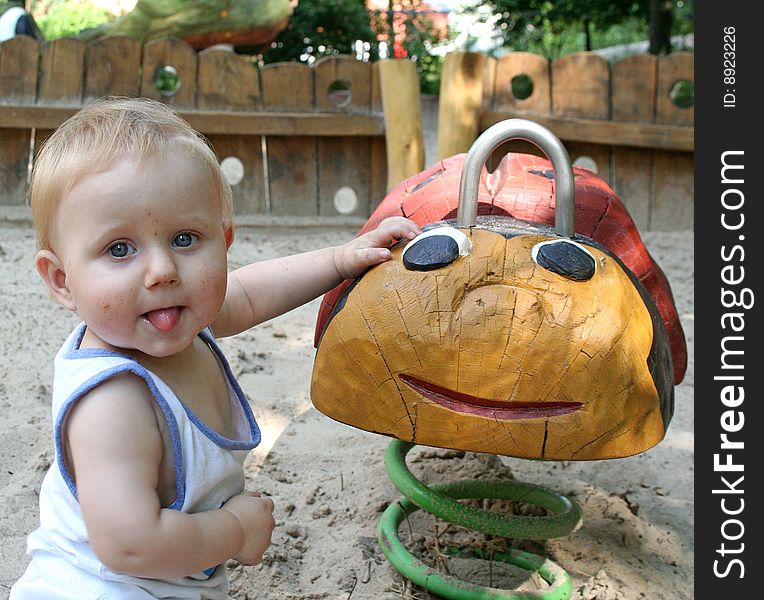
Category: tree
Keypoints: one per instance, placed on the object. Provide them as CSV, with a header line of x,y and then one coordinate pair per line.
x,y
321,28
548,22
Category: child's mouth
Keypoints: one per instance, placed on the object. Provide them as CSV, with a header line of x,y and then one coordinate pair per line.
x,y
164,319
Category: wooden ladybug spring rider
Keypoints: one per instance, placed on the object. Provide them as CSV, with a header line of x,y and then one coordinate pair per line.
x,y
499,333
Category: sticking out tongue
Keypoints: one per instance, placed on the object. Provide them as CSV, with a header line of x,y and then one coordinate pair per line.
x,y
164,319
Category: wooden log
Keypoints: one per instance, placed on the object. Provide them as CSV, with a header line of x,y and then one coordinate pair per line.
x,y
292,161
226,81
403,119
461,98
19,59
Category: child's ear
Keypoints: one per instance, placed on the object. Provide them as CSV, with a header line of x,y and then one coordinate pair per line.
x,y
52,272
228,233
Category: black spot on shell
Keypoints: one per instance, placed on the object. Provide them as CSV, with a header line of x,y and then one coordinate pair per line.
x,y
431,253
566,259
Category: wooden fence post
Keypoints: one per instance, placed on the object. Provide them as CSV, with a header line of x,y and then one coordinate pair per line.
x,y
581,89
633,93
226,81
533,72
673,190
292,160
19,58
112,68
343,85
461,98
403,119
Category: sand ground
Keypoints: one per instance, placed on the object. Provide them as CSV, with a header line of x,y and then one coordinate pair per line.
x,y
328,480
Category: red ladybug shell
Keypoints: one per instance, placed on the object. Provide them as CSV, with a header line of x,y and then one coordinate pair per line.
x,y
522,187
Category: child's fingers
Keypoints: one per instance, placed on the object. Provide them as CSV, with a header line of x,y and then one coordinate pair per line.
x,y
394,228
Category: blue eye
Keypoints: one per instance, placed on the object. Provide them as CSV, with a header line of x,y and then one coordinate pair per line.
x,y
184,240
120,250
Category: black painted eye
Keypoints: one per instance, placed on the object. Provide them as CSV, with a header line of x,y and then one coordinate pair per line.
x,y
435,249
566,258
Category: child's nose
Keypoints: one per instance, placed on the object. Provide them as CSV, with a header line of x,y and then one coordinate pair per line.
x,y
160,269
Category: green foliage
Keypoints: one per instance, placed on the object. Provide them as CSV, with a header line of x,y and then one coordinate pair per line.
x,y
419,40
322,28
63,18
555,28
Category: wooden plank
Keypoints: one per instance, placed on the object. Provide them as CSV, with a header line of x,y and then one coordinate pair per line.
x,y
634,81
581,89
112,67
639,135
344,175
212,121
62,73
580,86
176,56
249,193
403,120
292,161
672,69
19,59
509,66
356,74
378,172
673,192
343,162
62,77
517,64
461,98
227,81
378,155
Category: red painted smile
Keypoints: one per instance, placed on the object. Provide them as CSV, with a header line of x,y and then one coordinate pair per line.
x,y
495,409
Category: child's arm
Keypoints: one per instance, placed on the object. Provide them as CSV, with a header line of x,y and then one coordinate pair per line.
x,y
116,448
263,290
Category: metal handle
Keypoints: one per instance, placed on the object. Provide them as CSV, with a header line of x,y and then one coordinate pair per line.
x,y
511,129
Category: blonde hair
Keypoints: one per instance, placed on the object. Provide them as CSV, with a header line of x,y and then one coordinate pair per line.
x,y
102,132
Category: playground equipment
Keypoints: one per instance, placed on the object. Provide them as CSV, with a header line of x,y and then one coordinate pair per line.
x,y
507,331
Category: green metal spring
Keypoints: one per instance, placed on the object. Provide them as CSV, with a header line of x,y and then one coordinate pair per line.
x,y
440,500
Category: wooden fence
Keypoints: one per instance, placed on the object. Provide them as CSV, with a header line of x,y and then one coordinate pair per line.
x,y
310,140
331,139
630,119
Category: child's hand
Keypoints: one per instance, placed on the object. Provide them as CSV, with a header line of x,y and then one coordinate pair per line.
x,y
255,513
371,248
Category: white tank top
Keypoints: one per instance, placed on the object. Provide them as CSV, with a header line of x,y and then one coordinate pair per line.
x,y
208,471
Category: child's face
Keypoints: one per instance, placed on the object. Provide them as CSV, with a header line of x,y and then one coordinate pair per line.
x,y
143,250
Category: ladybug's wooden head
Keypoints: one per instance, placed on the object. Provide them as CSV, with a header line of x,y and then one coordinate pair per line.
x,y
501,336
